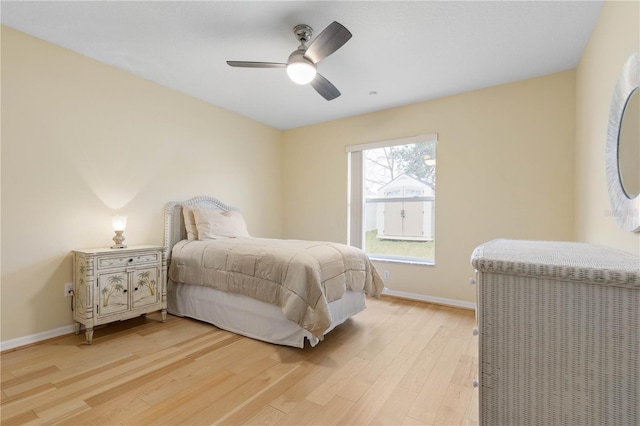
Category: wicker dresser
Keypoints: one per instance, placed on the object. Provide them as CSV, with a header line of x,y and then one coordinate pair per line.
x,y
559,334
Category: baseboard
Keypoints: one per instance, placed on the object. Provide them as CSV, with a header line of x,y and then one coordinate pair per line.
x,y
35,338
431,299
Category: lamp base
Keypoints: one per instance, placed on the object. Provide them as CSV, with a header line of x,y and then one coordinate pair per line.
x,y
118,239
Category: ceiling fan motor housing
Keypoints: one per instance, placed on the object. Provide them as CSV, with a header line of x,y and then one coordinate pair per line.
x,y
298,56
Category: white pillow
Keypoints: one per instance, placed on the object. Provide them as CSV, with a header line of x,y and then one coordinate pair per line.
x,y
190,223
213,223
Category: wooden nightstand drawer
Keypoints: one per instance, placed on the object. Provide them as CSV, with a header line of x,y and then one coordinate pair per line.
x,y
131,260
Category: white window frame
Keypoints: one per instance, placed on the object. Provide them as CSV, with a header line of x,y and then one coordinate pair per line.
x,y
355,196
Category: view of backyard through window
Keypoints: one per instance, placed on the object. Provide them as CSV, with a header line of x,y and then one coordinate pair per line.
x,y
399,202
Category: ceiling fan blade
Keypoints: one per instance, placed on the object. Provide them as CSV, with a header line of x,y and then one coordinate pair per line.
x,y
328,41
324,87
246,64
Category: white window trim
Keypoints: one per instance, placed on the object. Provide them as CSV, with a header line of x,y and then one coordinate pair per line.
x,y
426,137
355,184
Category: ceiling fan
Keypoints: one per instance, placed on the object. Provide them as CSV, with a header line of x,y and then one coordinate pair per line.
x,y
301,65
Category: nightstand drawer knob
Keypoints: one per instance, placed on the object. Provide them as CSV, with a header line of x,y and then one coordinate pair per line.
x,y
130,260
124,291
472,281
135,289
475,332
475,383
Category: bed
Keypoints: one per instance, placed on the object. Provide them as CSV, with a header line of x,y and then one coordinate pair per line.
x,y
278,291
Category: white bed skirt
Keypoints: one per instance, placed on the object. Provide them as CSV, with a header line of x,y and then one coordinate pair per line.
x,y
250,317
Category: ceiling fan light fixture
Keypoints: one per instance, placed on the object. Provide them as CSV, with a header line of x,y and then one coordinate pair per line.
x,y
301,72
299,69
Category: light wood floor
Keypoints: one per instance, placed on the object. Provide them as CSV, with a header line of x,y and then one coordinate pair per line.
x,y
398,362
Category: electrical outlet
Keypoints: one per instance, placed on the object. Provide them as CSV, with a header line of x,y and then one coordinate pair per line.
x,y
68,289
386,275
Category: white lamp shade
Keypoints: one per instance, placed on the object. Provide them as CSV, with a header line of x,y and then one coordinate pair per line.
x,y
119,222
301,72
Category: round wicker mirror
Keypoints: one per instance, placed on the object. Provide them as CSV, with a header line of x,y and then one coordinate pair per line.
x,y
623,147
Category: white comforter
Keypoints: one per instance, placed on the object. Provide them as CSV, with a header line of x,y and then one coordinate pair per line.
x,y
301,277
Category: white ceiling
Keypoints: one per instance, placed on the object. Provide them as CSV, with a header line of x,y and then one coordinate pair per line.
x,y
405,51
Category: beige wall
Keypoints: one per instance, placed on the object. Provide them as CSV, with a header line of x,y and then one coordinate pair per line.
x,y
81,140
615,37
505,170
511,159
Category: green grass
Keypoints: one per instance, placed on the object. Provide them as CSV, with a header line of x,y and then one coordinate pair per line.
x,y
418,249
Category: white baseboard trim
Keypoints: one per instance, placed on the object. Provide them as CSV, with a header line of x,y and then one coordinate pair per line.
x,y
430,299
35,338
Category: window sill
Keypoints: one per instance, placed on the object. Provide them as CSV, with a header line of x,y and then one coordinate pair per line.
x,y
408,261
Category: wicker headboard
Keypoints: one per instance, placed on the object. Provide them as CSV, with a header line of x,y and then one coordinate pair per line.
x,y
174,229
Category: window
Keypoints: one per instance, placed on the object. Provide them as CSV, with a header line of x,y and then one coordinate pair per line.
x,y
392,199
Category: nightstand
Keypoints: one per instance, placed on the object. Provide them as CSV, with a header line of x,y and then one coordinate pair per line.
x,y
117,284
